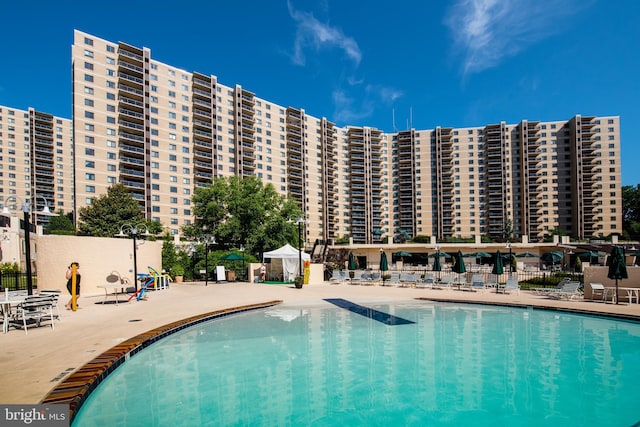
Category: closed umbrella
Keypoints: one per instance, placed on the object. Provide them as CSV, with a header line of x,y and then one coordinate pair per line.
x,y
352,262
617,266
384,264
458,265
498,267
436,264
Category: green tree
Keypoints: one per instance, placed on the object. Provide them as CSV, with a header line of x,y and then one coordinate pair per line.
x,y
631,211
108,212
61,224
243,211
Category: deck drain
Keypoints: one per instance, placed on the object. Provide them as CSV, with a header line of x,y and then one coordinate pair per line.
x,y
135,320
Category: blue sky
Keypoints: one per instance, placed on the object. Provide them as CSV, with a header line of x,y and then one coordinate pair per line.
x,y
376,63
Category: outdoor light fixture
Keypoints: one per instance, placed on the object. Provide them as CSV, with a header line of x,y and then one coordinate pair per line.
x,y
510,259
134,231
26,210
208,239
299,220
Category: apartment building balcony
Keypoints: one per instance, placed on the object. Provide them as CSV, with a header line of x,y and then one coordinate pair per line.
x,y
132,185
199,113
201,81
131,102
131,92
44,179
126,160
131,149
130,172
200,165
130,125
125,65
248,100
131,52
43,150
131,114
44,165
201,102
199,154
130,78
204,175
204,92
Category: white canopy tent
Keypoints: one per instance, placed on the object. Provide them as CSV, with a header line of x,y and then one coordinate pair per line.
x,y
290,257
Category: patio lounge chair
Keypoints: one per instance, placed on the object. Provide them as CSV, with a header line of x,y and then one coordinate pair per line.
x,y
477,283
570,290
545,291
408,280
34,309
426,282
511,286
447,281
338,276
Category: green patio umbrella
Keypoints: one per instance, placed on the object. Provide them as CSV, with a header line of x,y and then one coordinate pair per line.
x,y
384,264
440,254
617,266
402,254
233,257
498,267
352,262
527,255
589,255
552,257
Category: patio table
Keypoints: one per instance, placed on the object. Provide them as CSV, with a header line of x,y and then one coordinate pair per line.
x,y
5,305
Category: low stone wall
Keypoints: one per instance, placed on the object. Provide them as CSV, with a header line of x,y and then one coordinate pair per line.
x,y
97,256
598,274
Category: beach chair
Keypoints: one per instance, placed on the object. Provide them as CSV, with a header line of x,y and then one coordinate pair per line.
x,y
545,291
446,281
55,296
512,285
338,276
477,283
407,280
569,290
393,280
426,282
357,277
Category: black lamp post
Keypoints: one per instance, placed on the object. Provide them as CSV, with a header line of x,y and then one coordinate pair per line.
x,y
26,211
208,239
133,231
242,252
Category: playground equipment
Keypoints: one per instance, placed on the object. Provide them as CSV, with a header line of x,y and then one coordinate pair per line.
x,y
151,280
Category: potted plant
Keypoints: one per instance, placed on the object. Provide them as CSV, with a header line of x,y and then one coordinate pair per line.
x,y
385,277
178,273
299,280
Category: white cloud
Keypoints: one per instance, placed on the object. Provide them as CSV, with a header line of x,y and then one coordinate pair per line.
x,y
311,33
487,31
345,109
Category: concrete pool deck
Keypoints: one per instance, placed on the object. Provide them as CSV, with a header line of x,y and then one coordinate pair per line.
x,y
32,365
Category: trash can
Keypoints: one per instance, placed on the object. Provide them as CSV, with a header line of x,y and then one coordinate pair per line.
x,y
231,275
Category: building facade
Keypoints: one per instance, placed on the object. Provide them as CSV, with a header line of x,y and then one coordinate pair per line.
x,y
163,132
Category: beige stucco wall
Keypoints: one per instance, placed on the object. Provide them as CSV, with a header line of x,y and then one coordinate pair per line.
x,y
598,274
98,257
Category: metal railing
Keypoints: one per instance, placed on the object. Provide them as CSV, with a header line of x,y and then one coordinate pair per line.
x,y
15,281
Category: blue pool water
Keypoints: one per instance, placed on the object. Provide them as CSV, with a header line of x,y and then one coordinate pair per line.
x,y
328,365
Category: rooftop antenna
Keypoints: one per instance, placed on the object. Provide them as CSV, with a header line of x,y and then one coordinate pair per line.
x,y
410,118
393,119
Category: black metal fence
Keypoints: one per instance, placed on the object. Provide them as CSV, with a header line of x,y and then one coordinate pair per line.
x,y
15,281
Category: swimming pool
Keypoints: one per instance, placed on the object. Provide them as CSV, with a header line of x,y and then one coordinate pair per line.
x,y
331,364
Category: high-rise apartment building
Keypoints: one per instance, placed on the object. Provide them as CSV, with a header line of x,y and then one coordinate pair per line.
x,y
36,161
163,132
